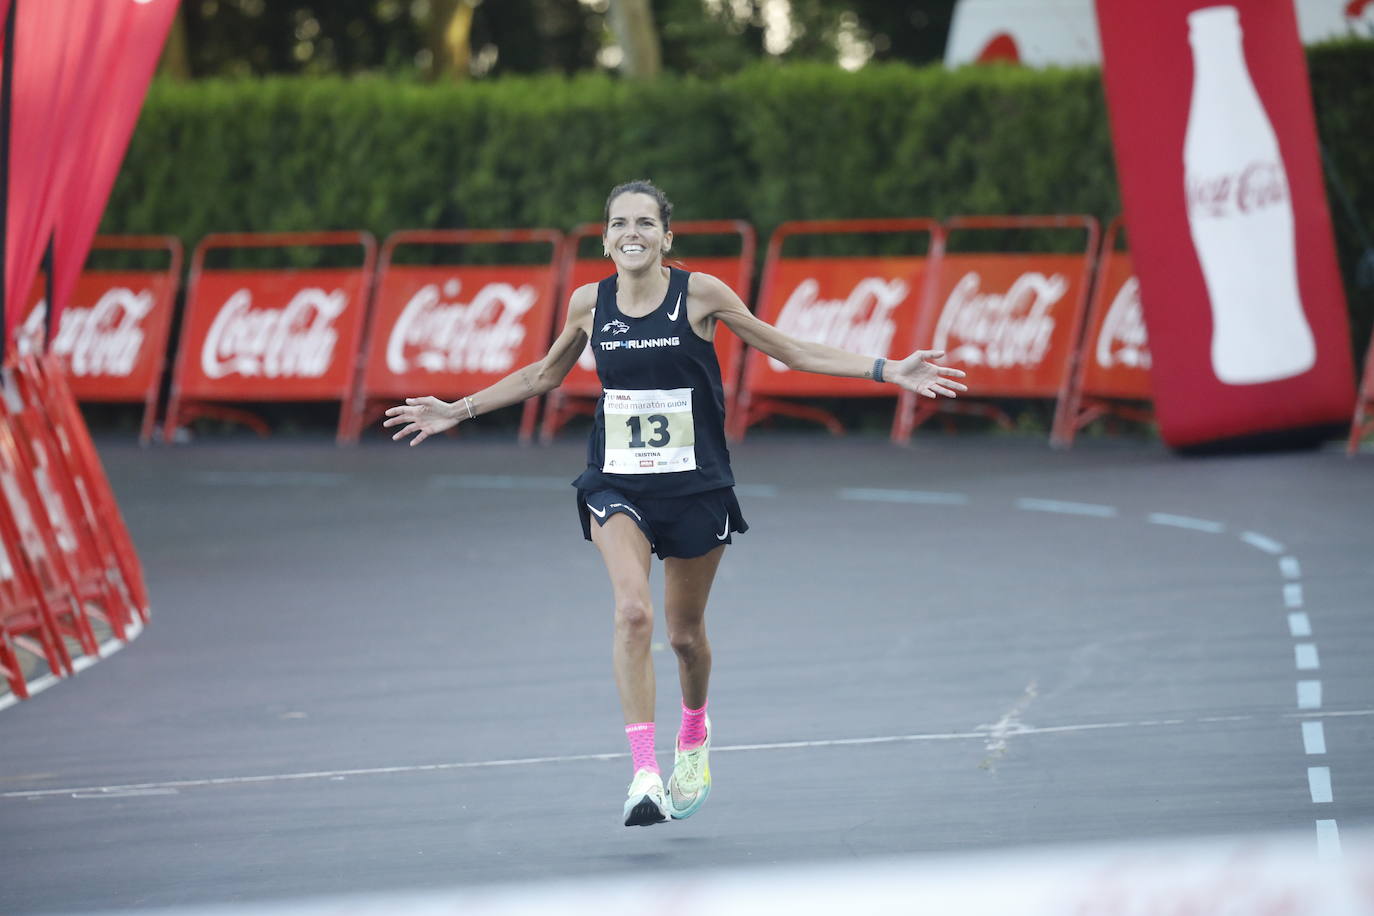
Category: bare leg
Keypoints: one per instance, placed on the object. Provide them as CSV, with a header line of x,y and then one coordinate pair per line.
x,y
626,553
687,585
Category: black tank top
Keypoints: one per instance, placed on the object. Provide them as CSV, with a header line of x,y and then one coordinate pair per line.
x,y
660,421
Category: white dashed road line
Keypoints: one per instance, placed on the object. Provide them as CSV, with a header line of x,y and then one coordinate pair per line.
x,y
1066,508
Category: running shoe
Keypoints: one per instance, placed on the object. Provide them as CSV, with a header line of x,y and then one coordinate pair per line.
x,y
691,780
646,804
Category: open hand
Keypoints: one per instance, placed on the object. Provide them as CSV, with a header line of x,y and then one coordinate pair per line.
x,y
425,416
917,373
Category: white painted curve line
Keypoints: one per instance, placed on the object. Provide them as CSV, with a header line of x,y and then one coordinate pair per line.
x,y
1305,657
1313,738
1066,508
1299,624
1183,521
1290,568
918,497
1328,841
1319,782
1309,694
1267,544
1292,594
979,734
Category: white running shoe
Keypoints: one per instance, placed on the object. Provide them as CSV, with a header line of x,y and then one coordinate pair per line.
x,y
691,780
646,804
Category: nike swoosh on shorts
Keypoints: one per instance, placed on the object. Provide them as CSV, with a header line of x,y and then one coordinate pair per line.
x,y
599,513
726,533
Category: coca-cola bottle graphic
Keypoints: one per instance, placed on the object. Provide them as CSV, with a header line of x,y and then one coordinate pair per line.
x,y
1240,213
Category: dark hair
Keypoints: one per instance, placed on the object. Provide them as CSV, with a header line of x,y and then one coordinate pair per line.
x,y
642,186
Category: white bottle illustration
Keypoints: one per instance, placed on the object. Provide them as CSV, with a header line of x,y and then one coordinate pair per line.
x,y
1240,213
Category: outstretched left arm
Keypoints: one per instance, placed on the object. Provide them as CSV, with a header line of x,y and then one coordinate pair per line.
x,y
915,373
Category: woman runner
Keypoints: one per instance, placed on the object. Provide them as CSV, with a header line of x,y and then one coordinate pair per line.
x,y
658,473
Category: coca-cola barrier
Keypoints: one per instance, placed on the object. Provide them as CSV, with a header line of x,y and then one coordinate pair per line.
x,y
269,335
1112,367
863,304
581,388
1012,320
1363,422
1216,150
451,330
112,331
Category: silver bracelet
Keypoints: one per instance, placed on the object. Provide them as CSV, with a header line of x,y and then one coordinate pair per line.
x,y
467,402
878,369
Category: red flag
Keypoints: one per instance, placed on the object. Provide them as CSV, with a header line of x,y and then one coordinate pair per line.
x,y
122,65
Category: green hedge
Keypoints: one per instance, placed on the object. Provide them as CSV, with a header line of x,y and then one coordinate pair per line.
x,y
769,144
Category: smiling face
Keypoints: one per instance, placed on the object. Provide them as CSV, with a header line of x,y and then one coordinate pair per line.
x,y
634,236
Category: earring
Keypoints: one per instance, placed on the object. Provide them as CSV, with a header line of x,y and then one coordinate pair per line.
x,y
606,253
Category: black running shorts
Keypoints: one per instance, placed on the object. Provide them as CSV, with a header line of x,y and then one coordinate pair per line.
x,y
678,526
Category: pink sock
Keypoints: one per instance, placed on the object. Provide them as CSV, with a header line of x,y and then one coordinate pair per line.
x,y
693,731
641,735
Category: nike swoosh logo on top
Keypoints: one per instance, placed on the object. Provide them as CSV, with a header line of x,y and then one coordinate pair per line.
x,y
599,513
726,533
672,316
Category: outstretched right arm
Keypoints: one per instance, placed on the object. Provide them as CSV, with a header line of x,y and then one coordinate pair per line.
x,y
424,417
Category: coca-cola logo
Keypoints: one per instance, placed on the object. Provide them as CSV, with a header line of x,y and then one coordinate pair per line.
x,y
106,338
1000,330
861,322
438,333
296,341
1122,340
1255,187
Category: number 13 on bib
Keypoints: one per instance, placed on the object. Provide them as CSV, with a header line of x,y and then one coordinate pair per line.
x,y
649,432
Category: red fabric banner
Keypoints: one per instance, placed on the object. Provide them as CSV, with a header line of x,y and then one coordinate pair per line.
x,y
118,72
81,70
1216,149
50,39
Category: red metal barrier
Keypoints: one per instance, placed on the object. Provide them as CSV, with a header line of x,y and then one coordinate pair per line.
x,y
65,492
112,335
452,330
1011,320
269,335
1363,422
42,547
581,388
1112,367
110,535
27,618
865,304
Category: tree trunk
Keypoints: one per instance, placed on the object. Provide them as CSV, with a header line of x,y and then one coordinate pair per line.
x,y
450,33
176,55
633,24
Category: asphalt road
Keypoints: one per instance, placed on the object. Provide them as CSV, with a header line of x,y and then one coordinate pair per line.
x,y
387,669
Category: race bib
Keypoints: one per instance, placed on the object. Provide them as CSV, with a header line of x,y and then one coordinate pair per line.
x,y
649,432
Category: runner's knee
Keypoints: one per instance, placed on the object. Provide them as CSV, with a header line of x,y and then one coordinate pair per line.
x,y
634,617
688,642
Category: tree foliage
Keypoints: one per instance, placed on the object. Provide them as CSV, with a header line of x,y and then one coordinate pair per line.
x,y
413,38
